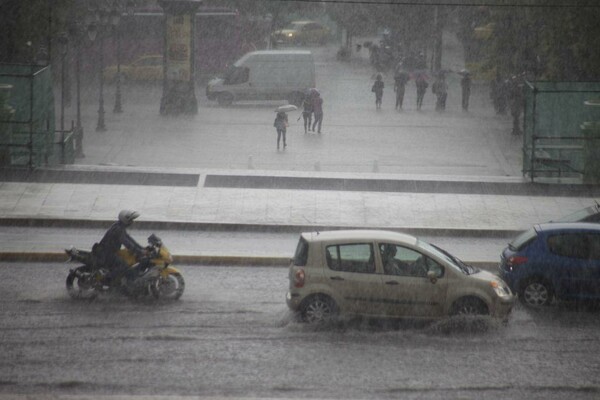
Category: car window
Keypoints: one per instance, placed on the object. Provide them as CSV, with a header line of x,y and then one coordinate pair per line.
x,y
572,245
237,75
355,257
301,255
523,240
403,261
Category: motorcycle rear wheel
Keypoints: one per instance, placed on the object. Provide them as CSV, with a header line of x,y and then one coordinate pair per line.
x,y
168,287
80,283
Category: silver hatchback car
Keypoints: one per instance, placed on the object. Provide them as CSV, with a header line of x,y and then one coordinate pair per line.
x,y
388,274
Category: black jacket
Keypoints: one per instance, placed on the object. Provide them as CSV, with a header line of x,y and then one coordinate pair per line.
x,y
115,237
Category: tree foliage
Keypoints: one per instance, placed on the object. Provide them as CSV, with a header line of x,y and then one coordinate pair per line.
x,y
551,43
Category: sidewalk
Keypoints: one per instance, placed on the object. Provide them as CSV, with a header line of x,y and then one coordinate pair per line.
x,y
273,210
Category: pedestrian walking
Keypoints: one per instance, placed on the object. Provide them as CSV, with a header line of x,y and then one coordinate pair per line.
x,y
317,105
495,92
422,85
400,80
307,111
465,84
503,93
281,124
378,90
440,89
517,102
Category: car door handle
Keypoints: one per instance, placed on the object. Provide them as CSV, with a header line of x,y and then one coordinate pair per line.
x,y
336,278
392,283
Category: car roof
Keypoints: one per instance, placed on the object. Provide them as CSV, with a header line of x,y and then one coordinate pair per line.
x,y
358,234
567,226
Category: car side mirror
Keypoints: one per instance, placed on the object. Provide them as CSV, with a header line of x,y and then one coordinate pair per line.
x,y
432,276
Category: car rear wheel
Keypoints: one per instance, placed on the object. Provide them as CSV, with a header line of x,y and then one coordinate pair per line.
x,y
536,293
469,306
319,309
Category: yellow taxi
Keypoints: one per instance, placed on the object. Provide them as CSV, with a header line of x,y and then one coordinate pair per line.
x,y
301,33
145,68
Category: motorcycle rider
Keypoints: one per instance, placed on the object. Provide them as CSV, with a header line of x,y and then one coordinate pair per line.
x,y
107,249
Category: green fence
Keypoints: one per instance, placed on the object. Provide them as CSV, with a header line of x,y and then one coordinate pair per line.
x,y
27,124
557,145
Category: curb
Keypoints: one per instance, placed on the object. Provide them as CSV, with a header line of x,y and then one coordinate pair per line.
x,y
197,260
243,227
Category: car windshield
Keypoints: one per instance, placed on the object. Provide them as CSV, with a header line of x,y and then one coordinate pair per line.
x,y
453,260
520,241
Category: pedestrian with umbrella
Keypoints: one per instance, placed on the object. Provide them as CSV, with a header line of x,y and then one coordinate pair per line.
x,y
317,102
400,80
281,122
377,88
465,84
307,110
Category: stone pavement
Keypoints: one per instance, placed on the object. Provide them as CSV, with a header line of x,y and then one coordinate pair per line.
x,y
201,207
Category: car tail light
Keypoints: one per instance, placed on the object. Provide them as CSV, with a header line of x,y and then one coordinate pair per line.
x,y
513,261
299,278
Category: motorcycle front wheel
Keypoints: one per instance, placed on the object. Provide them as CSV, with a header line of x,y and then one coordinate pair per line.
x,y
168,287
80,283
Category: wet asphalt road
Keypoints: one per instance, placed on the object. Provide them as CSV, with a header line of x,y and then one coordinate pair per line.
x,y
232,335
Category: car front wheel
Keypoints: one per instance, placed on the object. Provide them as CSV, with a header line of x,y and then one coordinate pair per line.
x,y
469,306
319,309
536,293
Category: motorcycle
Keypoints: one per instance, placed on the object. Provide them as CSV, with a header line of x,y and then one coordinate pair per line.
x,y
154,277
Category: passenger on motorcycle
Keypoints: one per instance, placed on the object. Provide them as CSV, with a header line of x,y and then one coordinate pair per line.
x,y
106,252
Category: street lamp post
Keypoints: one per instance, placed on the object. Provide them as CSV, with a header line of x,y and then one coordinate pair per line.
x,y
63,42
114,20
100,127
77,33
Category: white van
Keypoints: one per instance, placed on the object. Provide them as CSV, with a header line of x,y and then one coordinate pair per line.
x,y
265,75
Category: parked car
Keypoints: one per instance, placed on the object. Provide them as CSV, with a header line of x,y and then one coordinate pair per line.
x,y
387,274
145,68
587,214
553,260
301,33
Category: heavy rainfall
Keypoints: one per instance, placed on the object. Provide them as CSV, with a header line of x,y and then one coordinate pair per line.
x,y
237,134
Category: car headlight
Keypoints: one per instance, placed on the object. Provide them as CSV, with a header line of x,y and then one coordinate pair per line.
x,y
290,34
501,289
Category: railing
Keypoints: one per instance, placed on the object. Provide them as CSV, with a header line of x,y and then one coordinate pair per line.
x,y
556,156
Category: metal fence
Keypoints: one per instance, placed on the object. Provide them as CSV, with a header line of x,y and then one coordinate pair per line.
x,y
27,127
556,146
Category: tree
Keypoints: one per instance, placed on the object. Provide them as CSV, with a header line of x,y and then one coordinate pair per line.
x,y
552,41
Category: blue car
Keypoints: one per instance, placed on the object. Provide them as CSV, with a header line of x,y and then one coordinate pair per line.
x,y
553,260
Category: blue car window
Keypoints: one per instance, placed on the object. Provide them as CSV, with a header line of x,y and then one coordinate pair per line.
x,y
572,245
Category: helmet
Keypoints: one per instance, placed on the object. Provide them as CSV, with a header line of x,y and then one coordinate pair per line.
x,y
127,216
